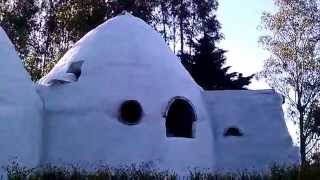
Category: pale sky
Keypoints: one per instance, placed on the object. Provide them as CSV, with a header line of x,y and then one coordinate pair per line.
x,y
240,20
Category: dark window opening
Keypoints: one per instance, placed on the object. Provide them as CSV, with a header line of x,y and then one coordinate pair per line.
x,y
75,68
233,131
130,112
283,99
72,74
180,119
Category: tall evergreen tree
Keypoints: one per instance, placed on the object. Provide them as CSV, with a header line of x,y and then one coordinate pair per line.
x,y
207,67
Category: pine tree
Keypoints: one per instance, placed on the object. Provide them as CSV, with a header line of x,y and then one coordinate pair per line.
x,y
207,67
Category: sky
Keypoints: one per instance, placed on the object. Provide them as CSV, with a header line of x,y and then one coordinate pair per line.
x,y
240,20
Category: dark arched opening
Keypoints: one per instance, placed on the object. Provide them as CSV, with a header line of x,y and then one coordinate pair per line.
x,y
180,118
233,131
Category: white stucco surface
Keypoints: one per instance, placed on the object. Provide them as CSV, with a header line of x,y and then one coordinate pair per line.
x,y
20,110
259,116
124,59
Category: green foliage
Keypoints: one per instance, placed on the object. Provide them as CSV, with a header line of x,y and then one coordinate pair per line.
x,y
42,30
74,18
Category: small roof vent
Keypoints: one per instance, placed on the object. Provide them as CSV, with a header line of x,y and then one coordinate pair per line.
x,y
124,12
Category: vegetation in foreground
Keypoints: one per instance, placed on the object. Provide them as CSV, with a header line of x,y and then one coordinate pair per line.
x,y
15,172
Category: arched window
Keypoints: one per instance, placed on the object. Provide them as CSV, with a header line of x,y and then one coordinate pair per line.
x,y
130,112
233,131
180,118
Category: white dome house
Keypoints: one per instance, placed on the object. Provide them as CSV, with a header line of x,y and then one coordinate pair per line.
x,y
121,96
20,110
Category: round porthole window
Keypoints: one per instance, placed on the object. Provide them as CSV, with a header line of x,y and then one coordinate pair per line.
x,y
130,112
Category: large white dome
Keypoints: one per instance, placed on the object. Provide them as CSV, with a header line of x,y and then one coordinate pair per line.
x,y
124,50
20,109
122,59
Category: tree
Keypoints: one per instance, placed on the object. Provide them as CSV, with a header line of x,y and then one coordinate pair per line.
x,y
65,22
19,19
207,69
293,68
43,31
205,61
186,20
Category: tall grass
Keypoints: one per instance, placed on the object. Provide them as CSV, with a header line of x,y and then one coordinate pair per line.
x,y
15,172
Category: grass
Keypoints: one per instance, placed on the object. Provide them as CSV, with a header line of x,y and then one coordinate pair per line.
x,y
15,172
